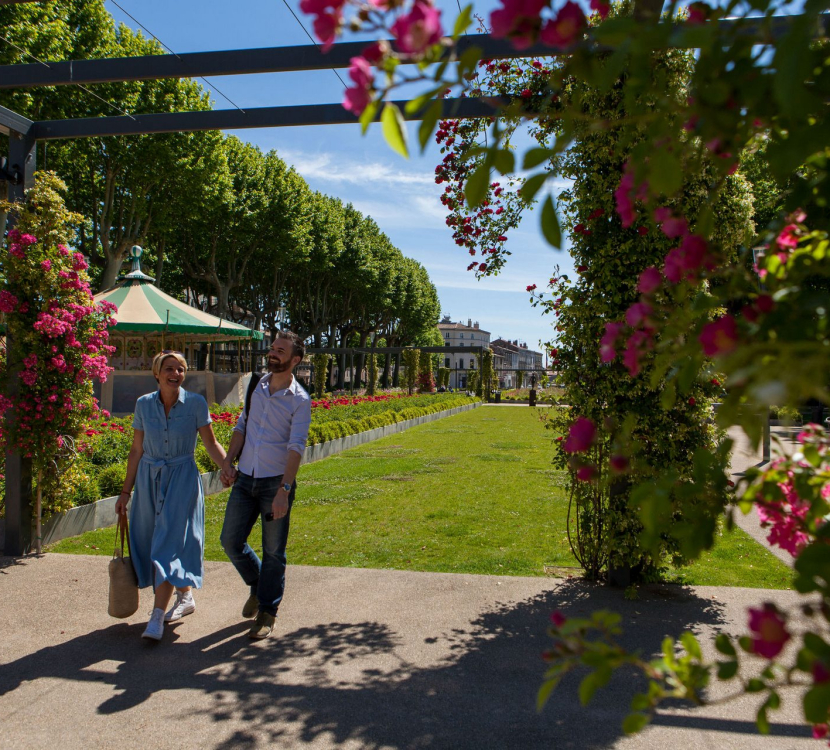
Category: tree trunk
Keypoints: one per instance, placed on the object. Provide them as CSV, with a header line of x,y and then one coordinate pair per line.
x,y
111,271
396,377
160,263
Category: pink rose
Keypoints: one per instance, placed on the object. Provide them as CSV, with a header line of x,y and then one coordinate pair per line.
x,y
650,280
418,29
566,28
581,436
769,632
719,337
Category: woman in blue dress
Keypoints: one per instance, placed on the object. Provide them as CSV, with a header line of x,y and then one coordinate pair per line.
x,y
167,512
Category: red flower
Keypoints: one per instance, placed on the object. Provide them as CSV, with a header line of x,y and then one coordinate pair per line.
x,y
769,631
581,436
618,464
586,473
531,287
787,238
692,401
558,619
608,342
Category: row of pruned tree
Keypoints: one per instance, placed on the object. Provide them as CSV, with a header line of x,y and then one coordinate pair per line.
x,y
224,225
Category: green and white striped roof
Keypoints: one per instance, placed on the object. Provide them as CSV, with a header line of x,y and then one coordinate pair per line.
x,y
144,308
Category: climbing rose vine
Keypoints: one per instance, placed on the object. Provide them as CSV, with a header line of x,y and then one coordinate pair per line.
x,y
59,340
751,321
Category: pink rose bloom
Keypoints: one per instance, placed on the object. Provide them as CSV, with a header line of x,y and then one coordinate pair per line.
x,y
418,29
27,239
8,302
356,99
698,13
650,280
675,226
326,26
581,436
608,342
518,19
564,30
638,313
360,71
769,632
719,336
787,238
586,473
638,343
46,265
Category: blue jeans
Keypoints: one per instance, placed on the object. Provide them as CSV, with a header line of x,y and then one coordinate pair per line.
x,y
251,498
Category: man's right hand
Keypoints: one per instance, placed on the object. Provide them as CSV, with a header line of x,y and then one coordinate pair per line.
x,y
228,476
121,504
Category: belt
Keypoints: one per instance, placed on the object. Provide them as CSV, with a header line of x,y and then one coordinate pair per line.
x,y
160,474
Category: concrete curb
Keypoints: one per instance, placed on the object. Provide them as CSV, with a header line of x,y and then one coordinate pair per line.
x,y
101,514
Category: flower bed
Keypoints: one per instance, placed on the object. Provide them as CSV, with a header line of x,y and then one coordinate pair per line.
x,y
105,445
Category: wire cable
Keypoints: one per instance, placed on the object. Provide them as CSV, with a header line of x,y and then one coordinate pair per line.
x,y
313,40
79,85
142,26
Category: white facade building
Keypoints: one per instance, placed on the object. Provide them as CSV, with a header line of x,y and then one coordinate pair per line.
x,y
461,335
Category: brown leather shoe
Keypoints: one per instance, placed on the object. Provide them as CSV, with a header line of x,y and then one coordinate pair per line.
x,y
262,627
251,607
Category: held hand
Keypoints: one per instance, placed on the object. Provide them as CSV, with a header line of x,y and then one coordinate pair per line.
x,y
228,476
121,504
280,505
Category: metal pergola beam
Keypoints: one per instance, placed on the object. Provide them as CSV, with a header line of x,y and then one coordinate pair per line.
x,y
279,59
231,119
11,121
395,349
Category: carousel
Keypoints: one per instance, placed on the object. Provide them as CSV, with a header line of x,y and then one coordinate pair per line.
x,y
149,321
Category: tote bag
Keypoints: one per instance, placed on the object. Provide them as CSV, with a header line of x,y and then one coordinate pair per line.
x,y
123,596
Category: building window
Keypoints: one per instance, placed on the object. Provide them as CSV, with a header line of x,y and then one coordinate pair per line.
x,y
446,334
461,335
446,343
446,362
472,364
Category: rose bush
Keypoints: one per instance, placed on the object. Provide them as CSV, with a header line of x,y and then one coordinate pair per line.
x,y
751,316
58,344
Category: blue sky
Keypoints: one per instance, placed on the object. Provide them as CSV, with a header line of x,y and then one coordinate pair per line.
x,y
399,194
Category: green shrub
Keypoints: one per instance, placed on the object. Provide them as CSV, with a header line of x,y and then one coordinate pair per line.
x,y
111,479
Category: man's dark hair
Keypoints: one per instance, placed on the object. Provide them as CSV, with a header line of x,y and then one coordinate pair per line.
x,y
297,344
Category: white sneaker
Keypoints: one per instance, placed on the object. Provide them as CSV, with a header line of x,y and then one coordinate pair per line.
x,y
155,628
184,605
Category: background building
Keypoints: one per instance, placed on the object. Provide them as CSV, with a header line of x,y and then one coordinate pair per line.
x,y
461,335
512,356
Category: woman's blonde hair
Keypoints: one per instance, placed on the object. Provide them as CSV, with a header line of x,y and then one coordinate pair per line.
x,y
158,361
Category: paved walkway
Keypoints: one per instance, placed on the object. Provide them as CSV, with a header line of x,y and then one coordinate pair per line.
x,y
360,659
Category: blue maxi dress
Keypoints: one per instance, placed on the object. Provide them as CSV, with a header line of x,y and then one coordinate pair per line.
x,y
167,512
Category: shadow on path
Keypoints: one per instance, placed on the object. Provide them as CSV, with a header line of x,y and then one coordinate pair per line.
x,y
352,680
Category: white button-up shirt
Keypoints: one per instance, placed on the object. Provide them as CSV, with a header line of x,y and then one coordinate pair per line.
x,y
278,423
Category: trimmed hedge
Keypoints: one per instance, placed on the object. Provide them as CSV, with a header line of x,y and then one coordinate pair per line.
x,y
325,431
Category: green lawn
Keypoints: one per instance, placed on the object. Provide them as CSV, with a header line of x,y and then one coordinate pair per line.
x,y
473,493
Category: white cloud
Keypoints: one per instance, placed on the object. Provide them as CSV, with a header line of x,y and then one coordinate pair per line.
x,y
333,168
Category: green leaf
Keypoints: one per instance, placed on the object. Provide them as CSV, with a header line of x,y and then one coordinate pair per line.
x,y
428,122
727,669
476,186
591,683
816,704
504,161
724,645
369,115
536,156
691,645
755,685
550,224
665,173
462,22
548,686
468,61
394,129
634,723
668,396
531,186
761,720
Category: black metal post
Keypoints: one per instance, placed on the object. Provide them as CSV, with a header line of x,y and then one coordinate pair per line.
x,y
18,530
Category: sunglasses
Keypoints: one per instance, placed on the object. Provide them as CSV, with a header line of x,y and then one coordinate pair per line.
x,y
171,351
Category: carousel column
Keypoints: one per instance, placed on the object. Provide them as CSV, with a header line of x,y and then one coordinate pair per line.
x,y
18,530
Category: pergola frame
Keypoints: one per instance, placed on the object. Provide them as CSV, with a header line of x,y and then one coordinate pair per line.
x,y
24,135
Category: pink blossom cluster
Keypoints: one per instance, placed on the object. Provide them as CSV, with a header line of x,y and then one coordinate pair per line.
x,y
769,631
19,242
8,302
521,22
626,193
785,517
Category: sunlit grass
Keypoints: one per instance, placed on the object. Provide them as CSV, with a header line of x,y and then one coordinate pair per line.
x,y
472,493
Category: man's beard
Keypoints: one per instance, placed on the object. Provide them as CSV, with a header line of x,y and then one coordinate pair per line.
x,y
278,366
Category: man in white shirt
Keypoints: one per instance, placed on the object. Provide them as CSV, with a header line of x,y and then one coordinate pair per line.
x,y
269,438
